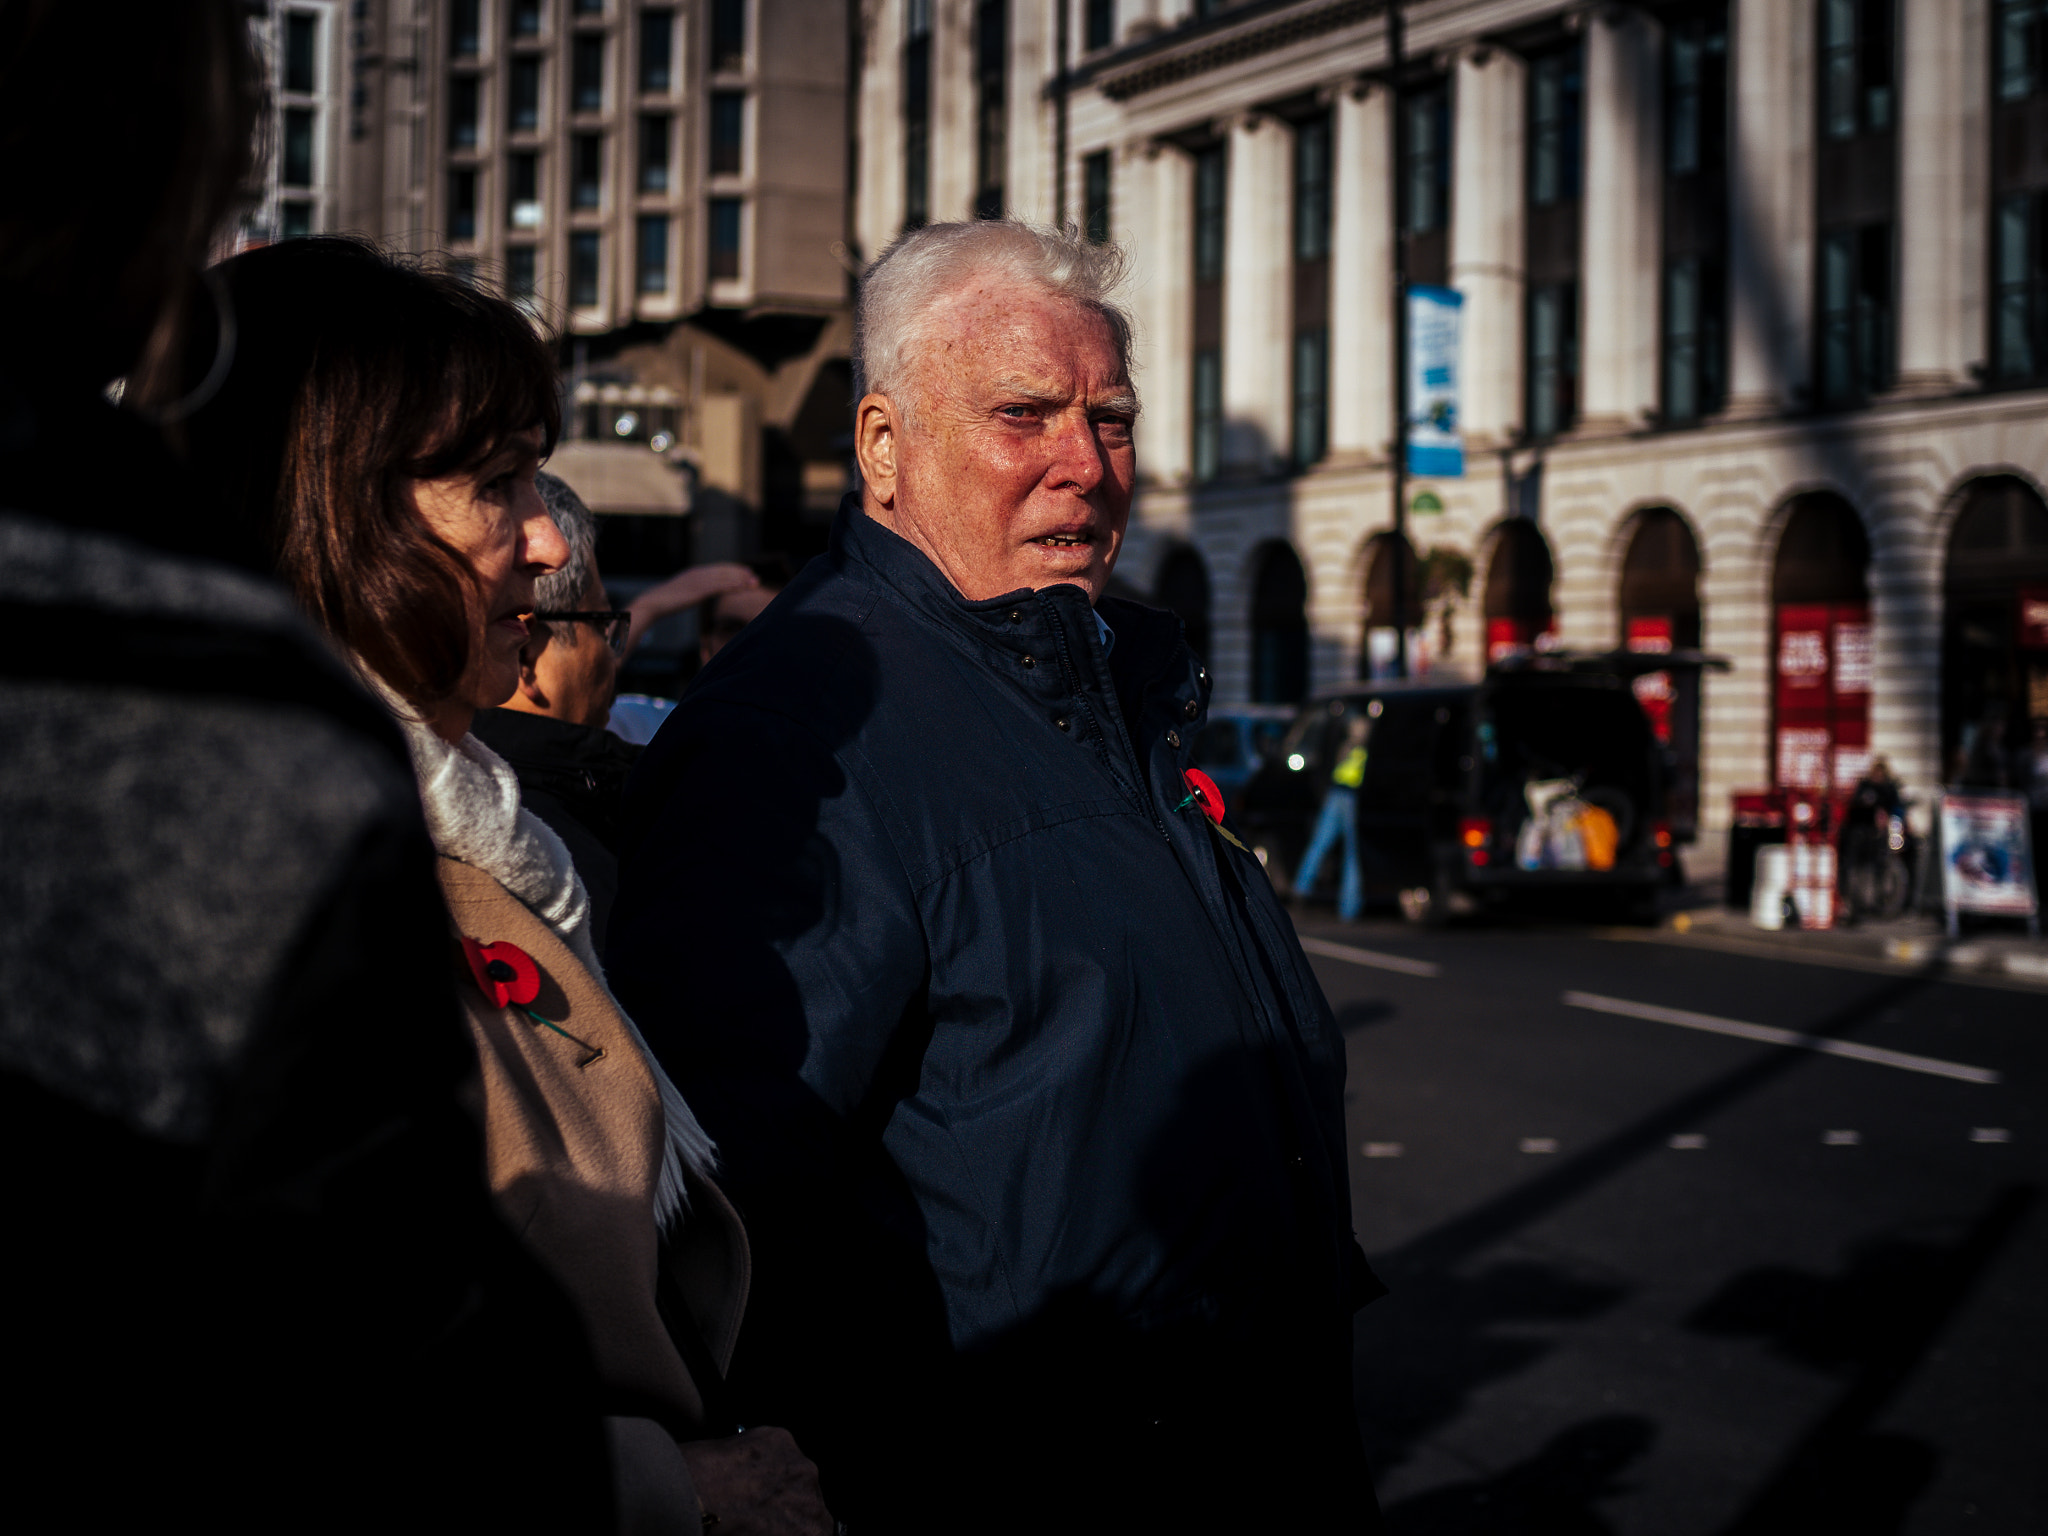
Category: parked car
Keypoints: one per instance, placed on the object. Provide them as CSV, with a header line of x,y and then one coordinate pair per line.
x,y
1235,743
1457,771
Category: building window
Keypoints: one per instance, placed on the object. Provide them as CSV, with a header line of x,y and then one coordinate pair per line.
x,y
295,220
2019,192
465,28
725,236
586,73
301,44
588,7
992,105
525,18
654,152
521,273
296,162
1100,28
462,205
586,171
657,50
728,131
1694,314
1095,196
1556,151
583,268
523,107
522,190
1426,181
652,251
462,112
729,34
1207,414
1856,192
917,113
1311,373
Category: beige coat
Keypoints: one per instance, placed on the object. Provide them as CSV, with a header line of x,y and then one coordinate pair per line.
x,y
575,1154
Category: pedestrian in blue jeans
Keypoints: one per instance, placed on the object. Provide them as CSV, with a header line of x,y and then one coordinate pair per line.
x,y
1340,817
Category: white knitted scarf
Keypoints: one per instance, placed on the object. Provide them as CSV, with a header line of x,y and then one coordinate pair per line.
x,y
471,797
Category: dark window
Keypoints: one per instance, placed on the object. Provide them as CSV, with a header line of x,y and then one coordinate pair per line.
x,y
1556,149
657,49
1694,309
729,34
295,220
521,274
462,112
522,190
583,268
301,42
1311,370
1182,587
586,73
462,205
523,111
586,171
1095,196
728,131
1426,181
725,236
526,18
1279,627
588,7
465,28
652,254
296,162
1856,286
917,113
1856,193
654,152
2019,187
992,105
1100,28
1211,186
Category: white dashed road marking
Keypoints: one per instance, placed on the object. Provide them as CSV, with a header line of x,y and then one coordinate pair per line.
x,y
1383,1149
1772,1036
1379,960
1990,1133
1841,1138
1690,1142
1539,1143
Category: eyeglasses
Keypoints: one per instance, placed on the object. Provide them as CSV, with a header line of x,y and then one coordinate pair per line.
x,y
615,624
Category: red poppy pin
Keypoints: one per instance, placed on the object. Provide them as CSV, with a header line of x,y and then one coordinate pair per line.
x,y
506,975
1203,791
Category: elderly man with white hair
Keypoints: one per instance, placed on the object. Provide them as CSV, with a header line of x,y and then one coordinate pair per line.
x,y
1032,1104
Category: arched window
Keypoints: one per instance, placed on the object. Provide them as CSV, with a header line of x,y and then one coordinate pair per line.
x,y
1994,653
1182,585
1660,611
1517,597
1390,555
1821,656
1279,626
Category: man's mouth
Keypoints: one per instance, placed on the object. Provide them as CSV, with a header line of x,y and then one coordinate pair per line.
x,y
1064,540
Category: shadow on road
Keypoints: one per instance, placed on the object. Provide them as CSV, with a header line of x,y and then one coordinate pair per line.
x,y
1555,1492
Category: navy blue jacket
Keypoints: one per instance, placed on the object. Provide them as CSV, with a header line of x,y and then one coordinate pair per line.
x,y
1027,1093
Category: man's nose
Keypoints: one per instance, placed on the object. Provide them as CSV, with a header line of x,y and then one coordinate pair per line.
x,y
1077,453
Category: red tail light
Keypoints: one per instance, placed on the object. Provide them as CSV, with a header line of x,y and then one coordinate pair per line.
x,y
1476,833
1660,833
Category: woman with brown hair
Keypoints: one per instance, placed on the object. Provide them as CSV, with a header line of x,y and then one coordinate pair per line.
x,y
379,435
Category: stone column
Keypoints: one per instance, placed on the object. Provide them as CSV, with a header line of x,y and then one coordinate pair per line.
x,y
1159,233
1256,291
1770,196
1620,238
1486,239
1361,280
1941,249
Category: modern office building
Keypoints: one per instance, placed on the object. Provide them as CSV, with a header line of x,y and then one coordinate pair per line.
x,y
1755,333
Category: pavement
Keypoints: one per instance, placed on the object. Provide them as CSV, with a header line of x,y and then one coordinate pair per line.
x,y
1690,1240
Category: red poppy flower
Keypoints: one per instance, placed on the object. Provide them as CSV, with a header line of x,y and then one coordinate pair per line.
x,y
1206,794
505,972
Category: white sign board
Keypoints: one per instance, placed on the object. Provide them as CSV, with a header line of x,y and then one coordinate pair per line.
x,y
1987,863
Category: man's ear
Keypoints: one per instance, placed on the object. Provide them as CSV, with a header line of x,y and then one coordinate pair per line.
x,y
877,432
529,675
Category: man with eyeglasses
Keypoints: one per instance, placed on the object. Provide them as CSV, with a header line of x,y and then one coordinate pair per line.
x,y
551,731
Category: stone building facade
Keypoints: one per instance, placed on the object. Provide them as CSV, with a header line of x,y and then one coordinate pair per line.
x,y
1755,332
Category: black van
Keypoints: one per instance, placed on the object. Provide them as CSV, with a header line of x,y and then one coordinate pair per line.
x,y
1443,805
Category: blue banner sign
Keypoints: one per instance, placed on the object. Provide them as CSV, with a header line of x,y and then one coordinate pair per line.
x,y
1434,447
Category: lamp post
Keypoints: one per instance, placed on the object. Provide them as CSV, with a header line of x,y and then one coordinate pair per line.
x,y
1399,192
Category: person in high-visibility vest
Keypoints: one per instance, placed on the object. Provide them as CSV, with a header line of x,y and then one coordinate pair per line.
x,y
1340,818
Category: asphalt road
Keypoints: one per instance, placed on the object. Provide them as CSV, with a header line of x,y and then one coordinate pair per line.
x,y
1657,1271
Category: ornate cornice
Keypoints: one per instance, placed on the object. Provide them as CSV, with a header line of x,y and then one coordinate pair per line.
x,y
1165,60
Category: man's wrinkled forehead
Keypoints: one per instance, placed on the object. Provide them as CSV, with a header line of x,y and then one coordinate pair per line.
x,y
987,335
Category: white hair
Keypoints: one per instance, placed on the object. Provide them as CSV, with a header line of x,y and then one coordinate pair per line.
x,y
891,327
562,591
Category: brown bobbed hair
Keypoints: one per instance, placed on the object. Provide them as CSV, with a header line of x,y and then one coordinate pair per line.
x,y
356,373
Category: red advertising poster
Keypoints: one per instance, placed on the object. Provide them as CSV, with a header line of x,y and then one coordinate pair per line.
x,y
2034,618
1651,633
1504,637
1823,663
